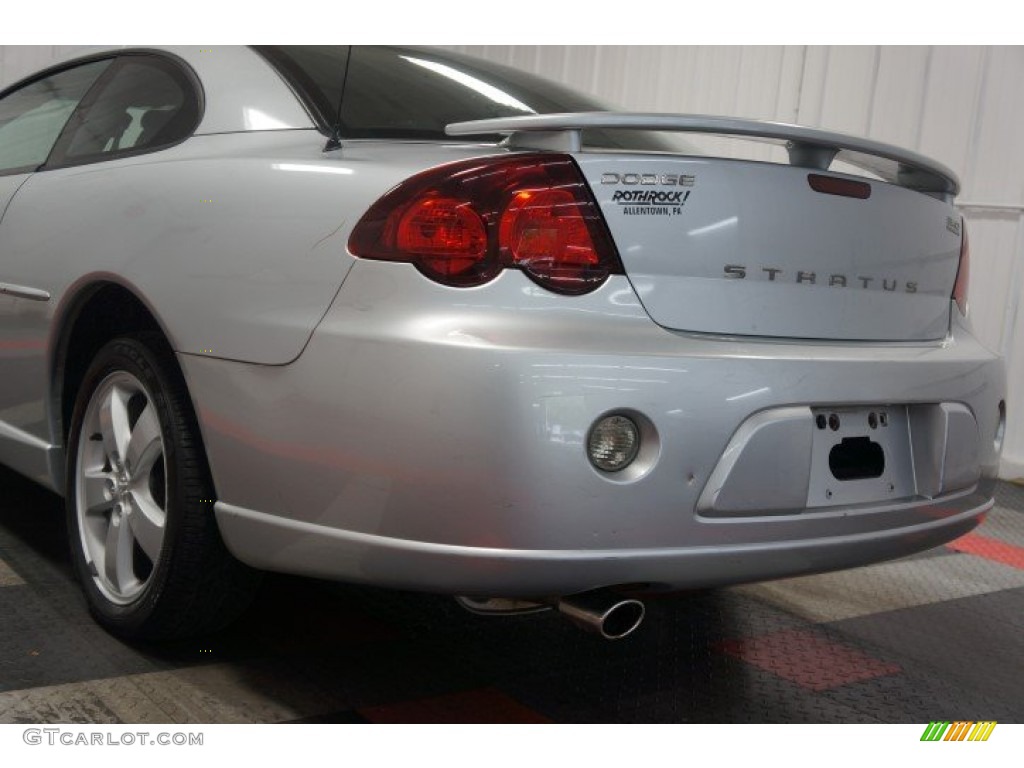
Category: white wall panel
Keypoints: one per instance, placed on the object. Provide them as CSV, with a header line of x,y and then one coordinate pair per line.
x,y
898,98
849,87
952,95
16,61
962,105
1013,452
996,158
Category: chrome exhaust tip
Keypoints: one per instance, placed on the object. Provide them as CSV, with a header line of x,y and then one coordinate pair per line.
x,y
602,612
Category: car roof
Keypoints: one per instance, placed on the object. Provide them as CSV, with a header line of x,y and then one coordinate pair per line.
x,y
241,91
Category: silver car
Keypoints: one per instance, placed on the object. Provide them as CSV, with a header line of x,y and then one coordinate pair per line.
x,y
401,317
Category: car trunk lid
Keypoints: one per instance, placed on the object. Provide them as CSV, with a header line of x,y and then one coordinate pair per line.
x,y
734,247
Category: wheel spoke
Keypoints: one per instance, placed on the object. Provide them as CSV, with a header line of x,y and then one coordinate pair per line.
x,y
96,484
147,521
121,487
114,423
144,445
117,555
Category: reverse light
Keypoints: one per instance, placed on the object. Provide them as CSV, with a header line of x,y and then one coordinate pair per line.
x,y
614,443
461,224
963,273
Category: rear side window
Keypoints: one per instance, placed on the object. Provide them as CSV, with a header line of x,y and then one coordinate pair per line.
x,y
407,93
32,117
392,92
143,103
315,72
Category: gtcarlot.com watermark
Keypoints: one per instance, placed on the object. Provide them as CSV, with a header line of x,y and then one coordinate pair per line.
x,y
54,737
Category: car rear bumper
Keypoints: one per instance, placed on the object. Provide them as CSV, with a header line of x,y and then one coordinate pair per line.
x,y
435,438
277,544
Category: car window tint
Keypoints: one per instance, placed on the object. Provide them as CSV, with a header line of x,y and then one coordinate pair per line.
x,y
413,93
315,72
145,103
32,117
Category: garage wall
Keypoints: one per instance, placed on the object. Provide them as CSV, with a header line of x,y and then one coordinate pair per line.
x,y
961,105
16,61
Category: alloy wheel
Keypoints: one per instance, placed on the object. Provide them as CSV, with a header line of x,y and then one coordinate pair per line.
x,y
121,487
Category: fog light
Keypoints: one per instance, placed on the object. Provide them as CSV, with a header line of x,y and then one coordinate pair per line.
x,y
614,443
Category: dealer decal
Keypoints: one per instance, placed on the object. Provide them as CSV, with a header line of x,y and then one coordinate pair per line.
x,y
650,202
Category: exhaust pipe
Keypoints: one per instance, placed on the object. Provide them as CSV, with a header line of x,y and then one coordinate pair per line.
x,y
599,611
603,613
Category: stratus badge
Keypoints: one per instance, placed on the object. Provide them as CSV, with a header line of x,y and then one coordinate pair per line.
x,y
802,277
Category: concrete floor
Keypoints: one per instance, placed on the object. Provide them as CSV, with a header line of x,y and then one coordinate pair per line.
x,y
934,637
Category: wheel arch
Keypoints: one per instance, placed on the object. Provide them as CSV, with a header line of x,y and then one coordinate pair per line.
x,y
92,311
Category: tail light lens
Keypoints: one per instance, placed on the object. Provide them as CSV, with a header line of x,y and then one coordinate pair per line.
x,y
963,274
462,223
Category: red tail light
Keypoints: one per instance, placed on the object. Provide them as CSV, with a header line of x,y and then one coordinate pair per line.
x,y
462,223
447,234
963,274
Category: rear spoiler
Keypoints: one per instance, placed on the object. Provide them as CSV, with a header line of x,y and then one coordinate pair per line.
x,y
807,147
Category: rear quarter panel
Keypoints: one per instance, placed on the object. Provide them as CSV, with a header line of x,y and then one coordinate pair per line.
x,y
236,242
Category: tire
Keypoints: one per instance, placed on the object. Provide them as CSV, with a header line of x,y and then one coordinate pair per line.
x,y
143,537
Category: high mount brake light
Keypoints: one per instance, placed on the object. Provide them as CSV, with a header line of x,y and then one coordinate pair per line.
x,y
963,273
460,224
833,185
